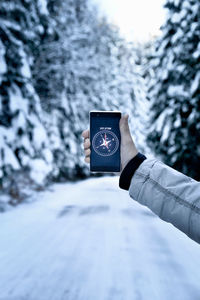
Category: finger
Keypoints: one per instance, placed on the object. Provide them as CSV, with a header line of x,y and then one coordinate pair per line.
x,y
123,124
87,152
86,144
87,159
86,134
124,130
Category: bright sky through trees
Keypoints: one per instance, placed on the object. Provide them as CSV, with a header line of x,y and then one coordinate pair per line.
x,y
137,19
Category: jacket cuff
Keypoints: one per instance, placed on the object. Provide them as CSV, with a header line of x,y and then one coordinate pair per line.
x,y
129,170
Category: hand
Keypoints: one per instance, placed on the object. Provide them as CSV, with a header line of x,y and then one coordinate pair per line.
x,y
128,149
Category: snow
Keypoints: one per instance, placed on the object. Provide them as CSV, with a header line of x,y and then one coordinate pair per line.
x,y
10,158
6,135
43,7
27,145
196,54
186,5
160,121
39,134
4,203
39,170
6,154
73,147
177,123
194,26
176,18
178,35
25,69
15,100
183,13
90,241
176,90
195,83
21,120
3,66
166,131
183,23
48,156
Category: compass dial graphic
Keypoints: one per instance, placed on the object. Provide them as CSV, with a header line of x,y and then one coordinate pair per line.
x,y
105,143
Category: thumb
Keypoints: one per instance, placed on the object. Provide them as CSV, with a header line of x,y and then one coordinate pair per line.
x,y
128,149
124,129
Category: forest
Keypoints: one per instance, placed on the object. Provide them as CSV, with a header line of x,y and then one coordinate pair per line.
x,y
60,59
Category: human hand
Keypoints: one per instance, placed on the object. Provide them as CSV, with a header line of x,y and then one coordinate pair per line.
x,y
128,149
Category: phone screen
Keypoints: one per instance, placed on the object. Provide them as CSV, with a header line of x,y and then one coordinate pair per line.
x,y
105,141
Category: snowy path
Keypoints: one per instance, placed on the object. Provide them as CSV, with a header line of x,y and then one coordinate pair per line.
x,y
90,241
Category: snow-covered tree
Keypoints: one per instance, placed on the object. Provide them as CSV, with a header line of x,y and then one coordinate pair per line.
x,y
58,61
23,140
175,88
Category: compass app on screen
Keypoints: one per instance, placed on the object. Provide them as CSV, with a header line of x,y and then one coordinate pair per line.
x,y
105,141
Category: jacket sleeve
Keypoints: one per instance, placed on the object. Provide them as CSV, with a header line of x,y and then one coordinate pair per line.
x,y
172,196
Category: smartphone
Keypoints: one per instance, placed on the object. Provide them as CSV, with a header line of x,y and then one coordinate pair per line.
x,y
105,141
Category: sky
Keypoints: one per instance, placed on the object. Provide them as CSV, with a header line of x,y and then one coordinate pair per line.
x,y
137,19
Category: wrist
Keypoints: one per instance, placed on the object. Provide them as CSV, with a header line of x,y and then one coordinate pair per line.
x,y
129,156
128,159
129,170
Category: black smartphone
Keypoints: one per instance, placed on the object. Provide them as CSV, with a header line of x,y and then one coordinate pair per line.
x,y
105,141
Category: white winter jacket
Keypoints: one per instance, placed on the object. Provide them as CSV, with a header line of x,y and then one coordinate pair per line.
x,y
174,197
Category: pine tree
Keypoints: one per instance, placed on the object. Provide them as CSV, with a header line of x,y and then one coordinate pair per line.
x,y
23,141
58,61
175,89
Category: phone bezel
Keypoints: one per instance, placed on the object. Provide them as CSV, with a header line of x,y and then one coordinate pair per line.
x,y
103,112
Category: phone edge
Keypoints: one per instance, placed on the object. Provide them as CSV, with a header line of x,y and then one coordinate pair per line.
x,y
102,111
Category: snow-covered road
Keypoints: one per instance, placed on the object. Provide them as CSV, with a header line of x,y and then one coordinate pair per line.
x,y
90,241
